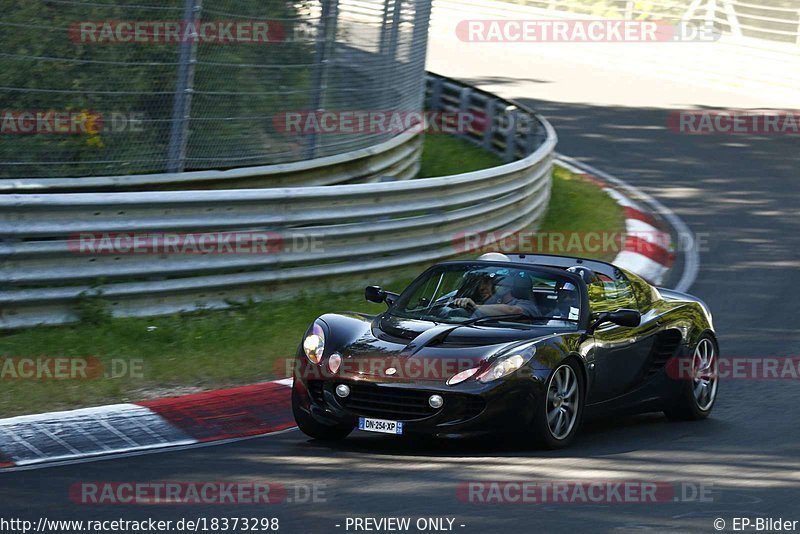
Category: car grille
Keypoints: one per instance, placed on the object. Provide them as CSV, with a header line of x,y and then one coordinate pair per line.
x,y
315,390
388,403
398,404
474,406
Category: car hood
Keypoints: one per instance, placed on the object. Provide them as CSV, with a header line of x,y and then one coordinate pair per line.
x,y
399,349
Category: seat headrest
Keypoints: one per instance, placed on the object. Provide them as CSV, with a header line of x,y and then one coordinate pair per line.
x,y
522,288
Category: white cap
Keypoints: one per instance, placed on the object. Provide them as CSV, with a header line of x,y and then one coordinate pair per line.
x,y
494,256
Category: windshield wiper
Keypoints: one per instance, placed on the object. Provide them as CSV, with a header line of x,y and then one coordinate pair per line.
x,y
479,320
441,337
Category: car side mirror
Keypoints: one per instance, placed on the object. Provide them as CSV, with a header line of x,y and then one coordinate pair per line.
x,y
375,294
621,317
627,318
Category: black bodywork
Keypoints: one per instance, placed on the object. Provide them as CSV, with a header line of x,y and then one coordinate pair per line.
x,y
624,368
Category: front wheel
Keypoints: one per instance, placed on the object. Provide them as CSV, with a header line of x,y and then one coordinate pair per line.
x,y
557,421
313,428
698,392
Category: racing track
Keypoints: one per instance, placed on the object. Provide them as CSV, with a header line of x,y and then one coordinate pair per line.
x,y
742,192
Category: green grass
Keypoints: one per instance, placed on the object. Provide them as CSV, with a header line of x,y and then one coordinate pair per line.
x,y
212,349
579,206
443,155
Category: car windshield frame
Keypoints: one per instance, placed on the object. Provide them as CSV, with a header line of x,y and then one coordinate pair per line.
x,y
399,308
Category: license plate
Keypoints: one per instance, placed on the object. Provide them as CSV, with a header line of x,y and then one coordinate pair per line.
x,y
380,425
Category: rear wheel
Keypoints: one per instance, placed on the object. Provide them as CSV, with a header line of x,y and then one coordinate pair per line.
x,y
314,429
558,419
698,392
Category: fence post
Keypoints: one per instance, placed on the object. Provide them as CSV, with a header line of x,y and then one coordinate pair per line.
x,y
394,33
319,84
184,87
384,29
422,16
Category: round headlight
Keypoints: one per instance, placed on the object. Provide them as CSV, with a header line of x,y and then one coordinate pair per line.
x,y
314,343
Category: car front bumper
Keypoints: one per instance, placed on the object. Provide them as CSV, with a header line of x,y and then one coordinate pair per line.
x,y
470,408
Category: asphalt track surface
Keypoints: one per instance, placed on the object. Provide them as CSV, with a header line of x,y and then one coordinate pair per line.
x,y
741,193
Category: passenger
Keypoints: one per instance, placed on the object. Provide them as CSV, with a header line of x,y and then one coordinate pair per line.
x,y
501,295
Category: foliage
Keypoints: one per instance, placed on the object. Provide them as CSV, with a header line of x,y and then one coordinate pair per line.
x,y
237,86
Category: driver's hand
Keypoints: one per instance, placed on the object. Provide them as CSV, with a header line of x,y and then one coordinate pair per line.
x,y
465,303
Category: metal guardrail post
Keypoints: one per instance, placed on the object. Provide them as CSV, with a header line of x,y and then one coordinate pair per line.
x,y
711,14
464,99
798,28
691,10
733,18
531,136
488,128
511,136
435,98
184,86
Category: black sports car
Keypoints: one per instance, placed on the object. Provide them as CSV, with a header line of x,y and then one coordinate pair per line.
x,y
522,343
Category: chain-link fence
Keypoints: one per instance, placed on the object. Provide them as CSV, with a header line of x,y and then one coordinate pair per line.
x,y
110,87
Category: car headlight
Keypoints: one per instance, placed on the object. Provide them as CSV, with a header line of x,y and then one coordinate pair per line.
x,y
314,343
505,365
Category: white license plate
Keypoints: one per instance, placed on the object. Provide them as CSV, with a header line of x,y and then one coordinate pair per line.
x,y
380,425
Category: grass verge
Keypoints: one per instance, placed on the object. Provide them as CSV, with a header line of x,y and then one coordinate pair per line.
x,y
444,154
161,356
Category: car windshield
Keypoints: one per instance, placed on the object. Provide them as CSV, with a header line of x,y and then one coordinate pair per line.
x,y
491,296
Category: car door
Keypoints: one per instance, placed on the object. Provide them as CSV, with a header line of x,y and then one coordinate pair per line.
x,y
621,354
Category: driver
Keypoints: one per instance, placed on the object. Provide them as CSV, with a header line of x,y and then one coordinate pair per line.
x,y
501,296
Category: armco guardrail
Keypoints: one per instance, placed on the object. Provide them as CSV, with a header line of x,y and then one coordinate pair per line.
x,y
355,228
397,158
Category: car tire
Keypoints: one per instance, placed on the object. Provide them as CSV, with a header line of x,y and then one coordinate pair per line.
x,y
558,397
695,400
314,429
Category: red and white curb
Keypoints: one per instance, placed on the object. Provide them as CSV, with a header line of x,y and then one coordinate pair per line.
x,y
123,428
648,248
